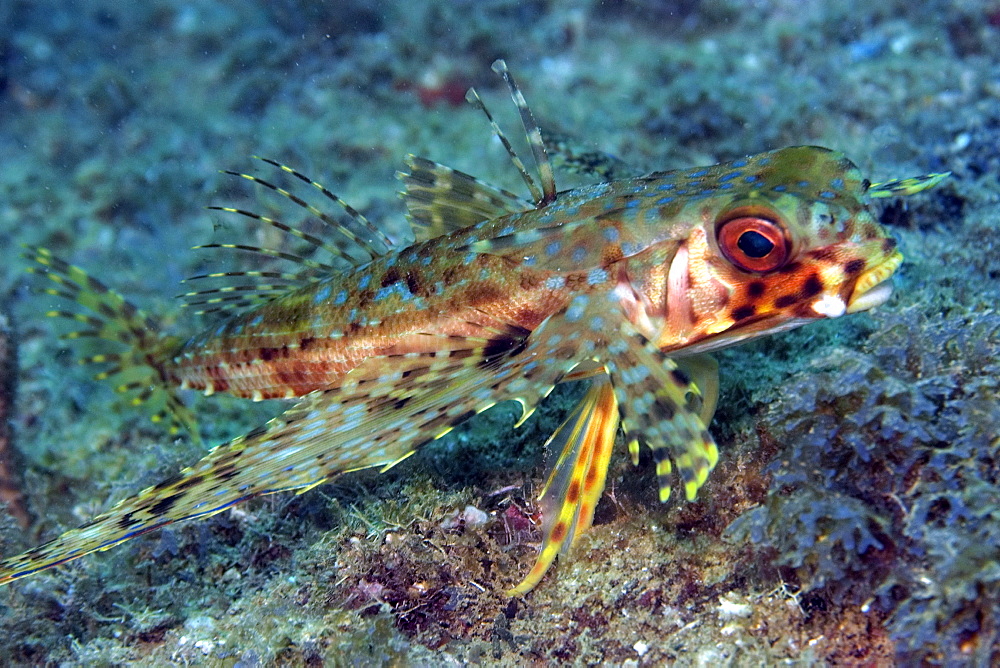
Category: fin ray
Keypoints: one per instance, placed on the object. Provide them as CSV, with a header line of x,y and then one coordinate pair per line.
x,y
139,370
585,440
375,418
440,200
653,397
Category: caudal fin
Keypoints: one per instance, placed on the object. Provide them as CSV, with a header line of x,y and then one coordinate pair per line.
x,y
137,355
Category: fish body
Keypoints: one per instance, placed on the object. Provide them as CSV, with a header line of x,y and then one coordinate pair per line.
x,y
628,283
630,245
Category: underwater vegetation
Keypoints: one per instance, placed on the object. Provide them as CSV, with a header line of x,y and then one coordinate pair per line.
x,y
887,489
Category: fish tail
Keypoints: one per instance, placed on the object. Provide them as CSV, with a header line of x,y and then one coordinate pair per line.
x,y
135,357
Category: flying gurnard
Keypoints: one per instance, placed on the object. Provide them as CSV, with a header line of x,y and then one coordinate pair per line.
x,y
629,283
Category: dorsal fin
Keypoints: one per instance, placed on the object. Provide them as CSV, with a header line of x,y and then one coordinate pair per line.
x,y
349,243
440,199
572,156
547,193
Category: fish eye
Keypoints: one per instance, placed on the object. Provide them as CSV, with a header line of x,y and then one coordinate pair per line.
x,y
753,242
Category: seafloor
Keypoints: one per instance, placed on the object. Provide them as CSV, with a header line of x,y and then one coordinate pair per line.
x,y
854,517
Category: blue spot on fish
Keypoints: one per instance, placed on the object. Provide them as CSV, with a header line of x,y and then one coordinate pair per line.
x,y
341,298
576,308
322,295
596,276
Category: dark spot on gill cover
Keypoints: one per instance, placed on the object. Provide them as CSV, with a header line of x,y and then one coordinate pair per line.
x,y
784,301
853,267
744,312
812,287
756,288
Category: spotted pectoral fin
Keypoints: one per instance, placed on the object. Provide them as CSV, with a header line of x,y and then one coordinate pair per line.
x,y
654,398
384,411
703,371
584,442
440,200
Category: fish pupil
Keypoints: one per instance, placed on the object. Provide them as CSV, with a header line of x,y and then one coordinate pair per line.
x,y
755,244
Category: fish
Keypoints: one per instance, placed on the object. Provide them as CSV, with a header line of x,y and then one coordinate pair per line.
x,y
629,284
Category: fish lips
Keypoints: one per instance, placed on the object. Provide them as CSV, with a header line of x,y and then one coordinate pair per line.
x,y
874,287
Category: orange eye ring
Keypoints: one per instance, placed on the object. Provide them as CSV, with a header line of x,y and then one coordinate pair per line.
x,y
753,243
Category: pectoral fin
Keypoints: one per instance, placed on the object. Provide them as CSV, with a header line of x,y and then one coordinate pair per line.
x,y
653,394
704,373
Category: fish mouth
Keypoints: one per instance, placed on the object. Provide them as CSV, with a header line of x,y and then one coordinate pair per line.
x,y
873,287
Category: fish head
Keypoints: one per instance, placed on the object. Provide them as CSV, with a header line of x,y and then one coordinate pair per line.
x,y
775,241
